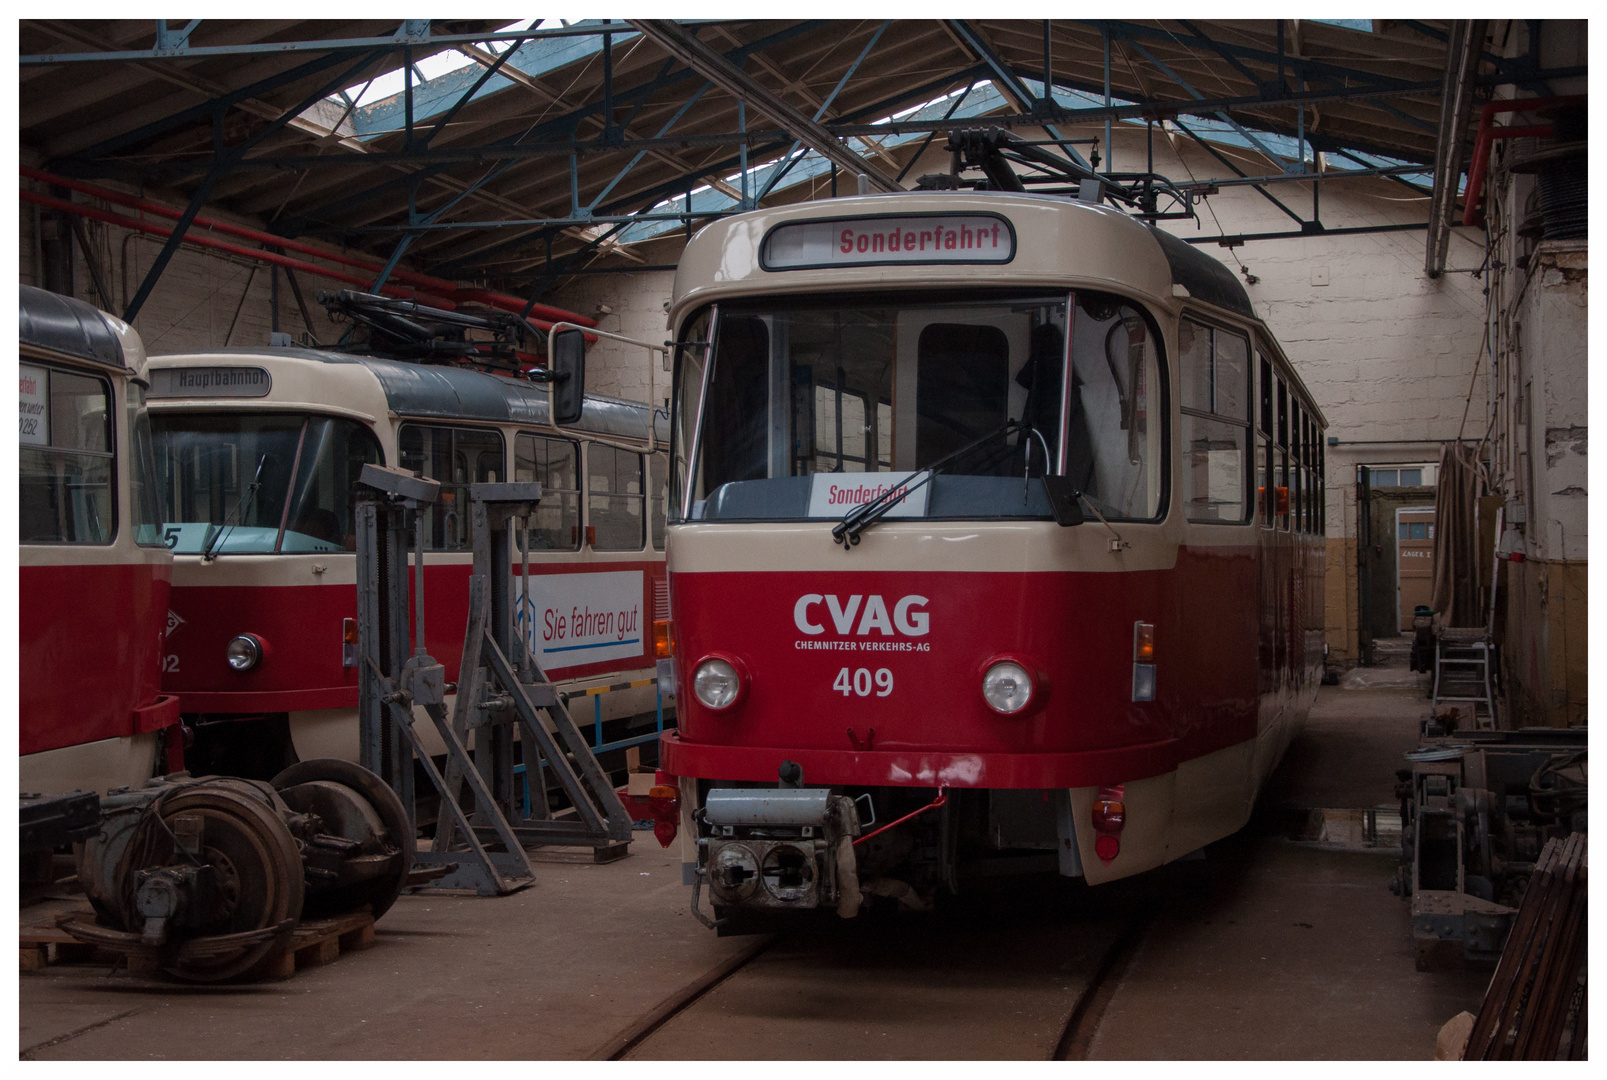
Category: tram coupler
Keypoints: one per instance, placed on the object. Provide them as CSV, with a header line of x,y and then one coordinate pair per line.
x,y
784,849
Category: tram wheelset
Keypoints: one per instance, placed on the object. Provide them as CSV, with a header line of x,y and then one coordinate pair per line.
x,y
209,875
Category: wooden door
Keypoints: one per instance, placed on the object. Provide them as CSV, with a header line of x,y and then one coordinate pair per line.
x,y
1414,546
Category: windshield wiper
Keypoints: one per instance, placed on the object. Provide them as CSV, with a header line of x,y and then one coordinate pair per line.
x,y
846,532
239,511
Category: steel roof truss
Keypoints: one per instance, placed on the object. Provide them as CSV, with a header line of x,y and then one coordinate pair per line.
x,y
732,79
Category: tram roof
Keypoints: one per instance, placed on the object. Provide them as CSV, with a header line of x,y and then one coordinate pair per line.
x,y
447,392
61,324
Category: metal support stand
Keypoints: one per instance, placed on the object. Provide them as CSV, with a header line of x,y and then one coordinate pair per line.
x,y
495,694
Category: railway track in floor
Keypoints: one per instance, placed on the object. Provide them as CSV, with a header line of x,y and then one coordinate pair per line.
x,y
1025,979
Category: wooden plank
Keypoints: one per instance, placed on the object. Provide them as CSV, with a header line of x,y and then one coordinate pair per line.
x,y
1492,1018
1557,975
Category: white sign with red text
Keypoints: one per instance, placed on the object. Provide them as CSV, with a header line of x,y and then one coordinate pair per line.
x,y
835,494
961,238
34,424
584,618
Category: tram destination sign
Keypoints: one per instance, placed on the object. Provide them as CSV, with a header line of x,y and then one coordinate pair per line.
x,y
835,495
899,239
210,382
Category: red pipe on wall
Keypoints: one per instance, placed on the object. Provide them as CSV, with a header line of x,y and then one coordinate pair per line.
x,y
447,293
272,258
1488,133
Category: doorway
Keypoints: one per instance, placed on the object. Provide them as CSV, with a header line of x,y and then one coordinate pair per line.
x,y
1414,561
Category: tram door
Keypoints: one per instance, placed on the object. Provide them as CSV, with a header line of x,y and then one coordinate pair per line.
x,y
1414,545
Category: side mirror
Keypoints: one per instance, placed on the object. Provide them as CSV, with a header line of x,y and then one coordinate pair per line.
x,y
1063,500
568,375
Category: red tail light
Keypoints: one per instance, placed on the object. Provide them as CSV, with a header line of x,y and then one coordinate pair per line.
x,y
665,803
1109,816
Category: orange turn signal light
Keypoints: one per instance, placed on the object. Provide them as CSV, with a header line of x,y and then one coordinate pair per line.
x,y
1143,643
1109,815
348,631
663,639
1110,808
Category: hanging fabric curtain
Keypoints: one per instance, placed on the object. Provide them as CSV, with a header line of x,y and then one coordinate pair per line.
x,y
1456,557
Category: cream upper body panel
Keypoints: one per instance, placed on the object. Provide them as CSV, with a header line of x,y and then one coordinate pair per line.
x,y
1001,547
299,384
1059,244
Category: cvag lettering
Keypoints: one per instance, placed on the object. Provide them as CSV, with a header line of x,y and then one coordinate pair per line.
x,y
908,616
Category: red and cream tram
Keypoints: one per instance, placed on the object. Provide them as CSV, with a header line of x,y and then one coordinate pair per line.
x,y
92,588
257,452
996,519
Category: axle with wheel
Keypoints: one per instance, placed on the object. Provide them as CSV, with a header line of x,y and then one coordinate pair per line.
x,y
208,875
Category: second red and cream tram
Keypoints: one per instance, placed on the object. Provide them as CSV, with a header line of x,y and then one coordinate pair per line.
x,y
257,454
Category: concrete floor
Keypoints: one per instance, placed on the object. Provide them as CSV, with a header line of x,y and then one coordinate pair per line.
x,y
1267,949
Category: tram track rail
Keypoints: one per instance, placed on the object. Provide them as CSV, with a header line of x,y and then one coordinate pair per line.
x,y
1077,1038
1099,973
625,1041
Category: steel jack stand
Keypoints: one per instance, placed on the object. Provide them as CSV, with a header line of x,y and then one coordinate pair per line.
x,y
494,695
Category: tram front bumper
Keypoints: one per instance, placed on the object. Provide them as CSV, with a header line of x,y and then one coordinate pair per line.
x,y
778,848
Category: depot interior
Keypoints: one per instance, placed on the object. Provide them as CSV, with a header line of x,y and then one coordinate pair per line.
x,y
1402,200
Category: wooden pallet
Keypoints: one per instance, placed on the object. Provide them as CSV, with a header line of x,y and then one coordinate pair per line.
x,y
42,947
317,942
312,943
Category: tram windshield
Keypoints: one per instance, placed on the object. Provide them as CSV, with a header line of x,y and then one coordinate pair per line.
x,y
258,483
801,393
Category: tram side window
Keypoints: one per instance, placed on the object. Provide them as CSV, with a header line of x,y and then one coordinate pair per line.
x,y
457,457
555,526
1307,504
1281,461
323,502
1297,466
1215,368
614,498
65,458
147,514
1265,502
1115,411
658,475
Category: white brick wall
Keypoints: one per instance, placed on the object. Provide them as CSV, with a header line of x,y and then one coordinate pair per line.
x,y
197,297
636,303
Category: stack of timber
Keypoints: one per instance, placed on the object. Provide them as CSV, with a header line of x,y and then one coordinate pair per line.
x,y
1535,1007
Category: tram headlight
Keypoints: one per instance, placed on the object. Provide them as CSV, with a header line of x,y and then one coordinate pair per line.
x,y
716,683
243,652
1007,687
